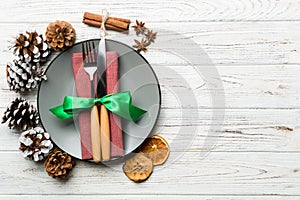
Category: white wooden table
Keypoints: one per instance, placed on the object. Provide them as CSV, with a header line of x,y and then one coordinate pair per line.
x,y
254,45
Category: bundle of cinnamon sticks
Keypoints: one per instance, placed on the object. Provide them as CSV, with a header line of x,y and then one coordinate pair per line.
x,y
112,23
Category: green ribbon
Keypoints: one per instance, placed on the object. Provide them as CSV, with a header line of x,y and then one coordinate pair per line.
x,y
119,104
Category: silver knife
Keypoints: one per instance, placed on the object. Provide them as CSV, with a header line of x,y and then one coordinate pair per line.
x,y
101,63
101,91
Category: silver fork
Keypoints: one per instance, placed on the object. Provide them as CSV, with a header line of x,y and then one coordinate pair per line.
x,y
90,66
89,56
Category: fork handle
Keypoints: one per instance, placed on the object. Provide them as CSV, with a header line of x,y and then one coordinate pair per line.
x,y
95,124
95,135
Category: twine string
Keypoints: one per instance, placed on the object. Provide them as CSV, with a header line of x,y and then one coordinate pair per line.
x,y
103,31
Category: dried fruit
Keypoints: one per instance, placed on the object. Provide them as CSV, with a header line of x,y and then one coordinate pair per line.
x,y
139,27
148,36
138,168
141,45
151,35
156,148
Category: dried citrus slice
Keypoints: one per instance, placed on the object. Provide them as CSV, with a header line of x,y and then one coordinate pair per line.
x,y
156,148
138,168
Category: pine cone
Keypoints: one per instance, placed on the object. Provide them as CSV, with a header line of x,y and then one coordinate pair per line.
x,y
35,144
60,35
22,77
21,115
59,164
31,48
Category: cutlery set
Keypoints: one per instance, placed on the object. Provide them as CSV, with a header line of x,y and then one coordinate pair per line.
x,y
94,60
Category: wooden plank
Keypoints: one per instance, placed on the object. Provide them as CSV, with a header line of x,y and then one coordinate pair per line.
x,y
251,86
243,130
163,11
242,127
227,173
146,197
218,43
244,86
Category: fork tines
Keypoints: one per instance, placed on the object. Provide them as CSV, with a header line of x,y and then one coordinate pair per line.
x,y
89,53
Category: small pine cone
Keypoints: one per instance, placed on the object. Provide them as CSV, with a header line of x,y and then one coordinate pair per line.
x,y
21,115
35,144
59,164
31,48
60,35
23,77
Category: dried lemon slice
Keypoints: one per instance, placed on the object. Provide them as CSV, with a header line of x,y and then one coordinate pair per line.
x,y
156,148
138,168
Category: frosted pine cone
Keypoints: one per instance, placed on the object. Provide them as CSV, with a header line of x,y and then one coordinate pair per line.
x,y
22,77
35,144
60,35
59,164
31,47
21,115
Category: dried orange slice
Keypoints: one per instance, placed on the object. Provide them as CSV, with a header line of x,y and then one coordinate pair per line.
x,y
138,168
156,148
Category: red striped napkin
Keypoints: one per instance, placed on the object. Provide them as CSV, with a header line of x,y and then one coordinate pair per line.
x,y
83,89
112,86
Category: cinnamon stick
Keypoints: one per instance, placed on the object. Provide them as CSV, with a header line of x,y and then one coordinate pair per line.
x,y
97,17
112,23
98,24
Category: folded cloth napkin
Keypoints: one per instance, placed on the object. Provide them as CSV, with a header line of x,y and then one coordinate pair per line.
x,y
83,89
112,86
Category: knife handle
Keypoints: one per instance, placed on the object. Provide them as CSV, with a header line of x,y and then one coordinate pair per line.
x,y
105,133
95,135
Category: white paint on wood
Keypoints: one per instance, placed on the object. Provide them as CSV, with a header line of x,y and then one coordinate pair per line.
x,y
254,45
226,43
218,173
157,10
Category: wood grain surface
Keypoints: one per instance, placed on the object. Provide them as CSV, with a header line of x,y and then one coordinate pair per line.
x,y
252,154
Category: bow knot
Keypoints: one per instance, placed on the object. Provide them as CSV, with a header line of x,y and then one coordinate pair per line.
x,y
119,104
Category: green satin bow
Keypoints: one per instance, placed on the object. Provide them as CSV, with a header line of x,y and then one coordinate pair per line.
x,y
119,104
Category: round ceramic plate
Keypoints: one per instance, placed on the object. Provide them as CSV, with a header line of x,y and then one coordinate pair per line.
x,y
135,75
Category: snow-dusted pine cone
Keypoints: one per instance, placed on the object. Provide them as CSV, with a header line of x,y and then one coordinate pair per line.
x,y
35,144
60,35
21,115
59,164
31,47
22,77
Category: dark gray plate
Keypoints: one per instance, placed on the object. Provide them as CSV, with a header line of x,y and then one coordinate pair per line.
x,y
136,76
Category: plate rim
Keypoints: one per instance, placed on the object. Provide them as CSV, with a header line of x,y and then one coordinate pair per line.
x,y
78,43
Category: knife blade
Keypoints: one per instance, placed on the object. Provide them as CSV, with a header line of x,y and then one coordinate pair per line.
x,y
101,91
101,62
